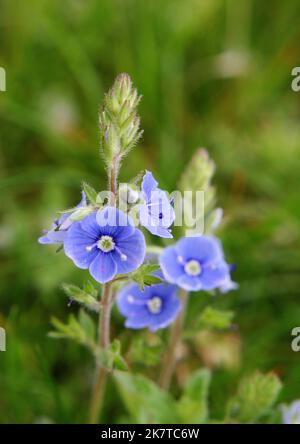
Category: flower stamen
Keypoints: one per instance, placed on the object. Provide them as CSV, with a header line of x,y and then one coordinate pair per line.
x,y
154,305
192,268
106,244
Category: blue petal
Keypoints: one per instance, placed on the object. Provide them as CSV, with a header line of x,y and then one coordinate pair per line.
x,y
202,248
131,298
90,225
159,231
44,240
190,283
149,184
160,208
170,265
171,308
57,236
83,202
157,215
228,285
138,321
114,222
75,245
134,248
213,277
103,268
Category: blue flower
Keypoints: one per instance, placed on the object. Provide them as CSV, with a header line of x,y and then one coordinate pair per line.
x,y
291,413
107,243
196,263
156,213
155,307
58,231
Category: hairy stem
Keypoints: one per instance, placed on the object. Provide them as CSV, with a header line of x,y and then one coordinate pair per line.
x,y
170,356
104,341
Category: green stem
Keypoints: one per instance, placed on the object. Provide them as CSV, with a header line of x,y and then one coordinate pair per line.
x,y
104,341
170,356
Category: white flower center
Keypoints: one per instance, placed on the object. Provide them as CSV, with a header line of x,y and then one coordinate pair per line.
x,y
192,268
130,299
154,305
106,244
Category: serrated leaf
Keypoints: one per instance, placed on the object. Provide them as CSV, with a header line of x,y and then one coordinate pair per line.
x,y
192,407
144,400
90,192
255,397
70,330
90,289
144,275
84,297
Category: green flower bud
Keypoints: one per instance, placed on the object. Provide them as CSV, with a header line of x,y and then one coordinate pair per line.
x,y
119,122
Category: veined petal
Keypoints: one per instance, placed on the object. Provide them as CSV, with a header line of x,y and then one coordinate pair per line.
x,y
76,246
213,276
149,184
90,225
133,248
114,222
103,268
159,231
190,283
203,248
131,299
170,265
141,320
171,307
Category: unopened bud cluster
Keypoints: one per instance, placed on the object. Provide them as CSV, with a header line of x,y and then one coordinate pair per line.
x,y
119,122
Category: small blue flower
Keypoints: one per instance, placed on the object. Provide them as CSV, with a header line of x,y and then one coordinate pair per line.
x,y
291,413
156,214
154,308
58,231
107,243
196,263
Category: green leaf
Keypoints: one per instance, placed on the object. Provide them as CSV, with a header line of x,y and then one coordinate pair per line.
x,y
119,363
192,406
72,330
146,349
144,275
87,324
213,318
111,357
145,401
255,397
81,213
90,192
85,297
115,346
90,289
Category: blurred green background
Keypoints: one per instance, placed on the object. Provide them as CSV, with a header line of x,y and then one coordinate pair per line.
x,y
213,73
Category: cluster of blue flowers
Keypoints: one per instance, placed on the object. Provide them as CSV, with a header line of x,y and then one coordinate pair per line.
x,y
107,243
